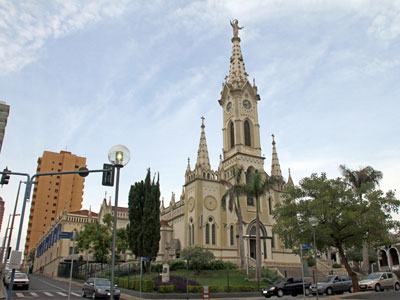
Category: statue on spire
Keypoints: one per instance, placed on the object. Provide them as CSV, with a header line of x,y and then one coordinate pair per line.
x,y
236,28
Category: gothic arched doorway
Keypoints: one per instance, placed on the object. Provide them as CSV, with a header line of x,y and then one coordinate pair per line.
x,y
383,259
252,240
394,255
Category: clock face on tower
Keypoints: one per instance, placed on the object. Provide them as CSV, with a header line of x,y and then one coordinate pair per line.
x,y
229,106
246,104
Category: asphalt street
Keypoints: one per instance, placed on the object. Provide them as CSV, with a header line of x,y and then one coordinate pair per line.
x,y
41,287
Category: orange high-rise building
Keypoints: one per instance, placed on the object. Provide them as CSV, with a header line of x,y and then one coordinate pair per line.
x,y
52,194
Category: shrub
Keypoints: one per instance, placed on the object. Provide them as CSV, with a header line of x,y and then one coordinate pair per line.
x,y
336,266
199,258
231,265
269,276
177,265
166,288
178,282
156,268
215,289
195,289
216,265
311,262
147,285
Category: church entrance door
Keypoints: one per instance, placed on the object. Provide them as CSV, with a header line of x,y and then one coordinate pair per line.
x,y
253,248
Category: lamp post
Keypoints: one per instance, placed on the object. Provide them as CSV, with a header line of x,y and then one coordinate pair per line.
x,y
314,223
119,156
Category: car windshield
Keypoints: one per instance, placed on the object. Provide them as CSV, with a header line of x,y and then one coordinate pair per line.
x,y
328,279
101,281
20,275
373,276
280,281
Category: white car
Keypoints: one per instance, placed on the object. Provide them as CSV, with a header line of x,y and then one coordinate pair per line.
x,y
380,281
20,280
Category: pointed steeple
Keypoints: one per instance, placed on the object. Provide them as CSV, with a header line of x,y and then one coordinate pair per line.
x,y
203,161
275,167
188,166
290,180
237,73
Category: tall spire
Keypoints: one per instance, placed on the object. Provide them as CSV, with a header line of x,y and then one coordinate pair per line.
x,y
237,73
203,160
290,180
275,167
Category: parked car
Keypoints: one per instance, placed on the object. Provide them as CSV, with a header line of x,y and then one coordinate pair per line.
x,y
380,281
20,280
99,288
287,286
333,284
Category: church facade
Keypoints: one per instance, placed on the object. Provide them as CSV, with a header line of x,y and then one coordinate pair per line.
x,y
197,217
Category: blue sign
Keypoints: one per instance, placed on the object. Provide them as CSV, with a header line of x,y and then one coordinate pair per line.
x,y
306,246
145,258
65,235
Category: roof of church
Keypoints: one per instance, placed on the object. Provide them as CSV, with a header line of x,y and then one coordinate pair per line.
x,y
84,212
203,160
120,208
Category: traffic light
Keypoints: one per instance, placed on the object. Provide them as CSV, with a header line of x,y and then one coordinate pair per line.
x,y
108,176
5,178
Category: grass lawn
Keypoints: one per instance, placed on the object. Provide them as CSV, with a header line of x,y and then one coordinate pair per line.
x,y
211,277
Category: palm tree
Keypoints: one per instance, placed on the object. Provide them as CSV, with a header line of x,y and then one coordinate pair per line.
x,y
233,194
258,185
362,181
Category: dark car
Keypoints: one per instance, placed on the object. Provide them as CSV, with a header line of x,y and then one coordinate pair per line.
x,y
287,286
333,284
99,288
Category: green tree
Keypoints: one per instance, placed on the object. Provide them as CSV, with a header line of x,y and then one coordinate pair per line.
x,y
258,185
362,181
144,217
233,195
97,239
198,257
339,214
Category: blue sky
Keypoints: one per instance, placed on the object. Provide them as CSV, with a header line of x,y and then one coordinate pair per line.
x,y
83,76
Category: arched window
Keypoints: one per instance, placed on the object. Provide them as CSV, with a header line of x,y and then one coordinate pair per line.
x,y
190,234
232,134
270,205
231,234
250,200
247,139
273,240
207,233
213,234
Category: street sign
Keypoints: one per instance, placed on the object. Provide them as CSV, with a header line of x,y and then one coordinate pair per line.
x,y
65,235
306,246
145,258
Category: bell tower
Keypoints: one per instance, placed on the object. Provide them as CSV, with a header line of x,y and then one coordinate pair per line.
x,y
239,99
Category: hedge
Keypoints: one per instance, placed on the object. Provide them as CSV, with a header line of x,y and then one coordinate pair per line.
x,y
195,289
166,288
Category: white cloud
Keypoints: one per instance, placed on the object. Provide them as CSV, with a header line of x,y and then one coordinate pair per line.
x,y
26,26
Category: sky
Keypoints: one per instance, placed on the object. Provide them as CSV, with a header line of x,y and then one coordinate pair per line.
x,y
83,76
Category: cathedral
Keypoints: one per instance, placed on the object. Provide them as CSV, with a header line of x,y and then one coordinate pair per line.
x,y
197,217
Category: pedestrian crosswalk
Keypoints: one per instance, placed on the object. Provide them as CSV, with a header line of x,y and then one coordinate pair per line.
x,y
42,294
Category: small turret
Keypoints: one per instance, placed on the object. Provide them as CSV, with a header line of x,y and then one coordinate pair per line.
x,y
203,161
290,180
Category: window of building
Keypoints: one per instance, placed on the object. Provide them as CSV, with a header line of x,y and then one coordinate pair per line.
x,y
207,234
213,234
247,133
270,205
232,134
250,200
273,240
71,250
231,235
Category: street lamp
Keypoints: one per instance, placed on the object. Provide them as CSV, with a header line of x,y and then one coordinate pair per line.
x,y
314,223
119,156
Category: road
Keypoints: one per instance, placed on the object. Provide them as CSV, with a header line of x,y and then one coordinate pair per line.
x,y
41,287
